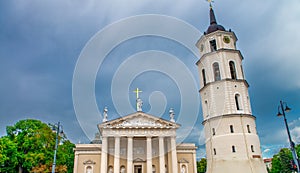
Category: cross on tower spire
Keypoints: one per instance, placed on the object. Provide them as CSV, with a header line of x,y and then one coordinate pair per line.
x,y
210,1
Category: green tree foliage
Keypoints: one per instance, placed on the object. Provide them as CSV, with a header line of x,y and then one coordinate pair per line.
x,y
29,145
282,161
8,155
201,166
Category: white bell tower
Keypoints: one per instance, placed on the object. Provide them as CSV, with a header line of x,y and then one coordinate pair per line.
x,y
232,143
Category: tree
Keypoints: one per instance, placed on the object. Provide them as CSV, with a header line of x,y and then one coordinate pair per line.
x,y
8,155
32,145
66,155
201,166
282,162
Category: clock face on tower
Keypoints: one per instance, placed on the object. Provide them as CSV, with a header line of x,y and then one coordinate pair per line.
x,y
226,39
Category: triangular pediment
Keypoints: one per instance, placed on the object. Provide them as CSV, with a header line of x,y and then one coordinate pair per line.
x,y
183,160
139,120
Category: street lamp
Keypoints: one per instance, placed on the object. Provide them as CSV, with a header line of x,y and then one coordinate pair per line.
x,y
58,128
284,108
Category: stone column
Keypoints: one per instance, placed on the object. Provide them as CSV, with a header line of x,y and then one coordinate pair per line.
x,y
104,155
149,154
117,155
129,154
195,162
174,155
75,163
161,148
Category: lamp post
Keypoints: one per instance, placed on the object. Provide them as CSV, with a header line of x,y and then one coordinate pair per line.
x,y
58,128
284,108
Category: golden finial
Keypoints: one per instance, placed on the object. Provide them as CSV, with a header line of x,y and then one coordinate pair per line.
x,y
210,1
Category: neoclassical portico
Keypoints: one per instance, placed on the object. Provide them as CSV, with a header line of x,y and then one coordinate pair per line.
x,y
144,146
136,143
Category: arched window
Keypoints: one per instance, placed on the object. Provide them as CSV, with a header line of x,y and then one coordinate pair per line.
x,y
237,101
213,131
217,74
231,129
252,148
153,169
215,152
110,169
89,169
122,169
232,70
183,169
203,77
233,148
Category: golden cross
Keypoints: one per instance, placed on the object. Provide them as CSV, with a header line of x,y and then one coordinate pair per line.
x,y
137,91
210,1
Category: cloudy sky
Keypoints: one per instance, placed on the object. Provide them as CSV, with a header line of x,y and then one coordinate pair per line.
x,y
47,72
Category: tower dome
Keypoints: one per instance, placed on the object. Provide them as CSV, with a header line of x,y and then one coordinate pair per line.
x,y
213,23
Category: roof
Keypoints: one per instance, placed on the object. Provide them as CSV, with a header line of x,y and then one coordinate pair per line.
x,y
213,23
139,120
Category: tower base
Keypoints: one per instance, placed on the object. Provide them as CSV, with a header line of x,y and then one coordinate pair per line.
x,y
255,165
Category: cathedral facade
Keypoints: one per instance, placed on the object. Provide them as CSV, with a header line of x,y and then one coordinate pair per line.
x,y
136,143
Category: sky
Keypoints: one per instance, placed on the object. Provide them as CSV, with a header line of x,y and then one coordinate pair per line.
x,y
47,72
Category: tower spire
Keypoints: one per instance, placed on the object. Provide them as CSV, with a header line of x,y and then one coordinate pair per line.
x,y
212,16
213,22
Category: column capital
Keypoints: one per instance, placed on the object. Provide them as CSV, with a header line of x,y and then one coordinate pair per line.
x,y
173,136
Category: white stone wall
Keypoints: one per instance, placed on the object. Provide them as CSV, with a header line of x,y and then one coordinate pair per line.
x,y
218,98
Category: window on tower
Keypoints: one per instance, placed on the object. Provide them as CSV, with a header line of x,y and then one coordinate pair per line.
x,y
248,129
215,152
213,45
206,108
237,102
213,131
231,129
217,74
232,70
233,148
203,77
252,148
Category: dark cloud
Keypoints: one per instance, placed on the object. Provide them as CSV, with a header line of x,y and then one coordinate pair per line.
x,y
41,41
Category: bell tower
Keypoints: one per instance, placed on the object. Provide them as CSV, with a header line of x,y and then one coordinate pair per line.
x,y
232,143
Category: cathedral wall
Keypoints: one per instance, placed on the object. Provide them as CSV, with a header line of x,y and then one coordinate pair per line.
x,y
83,163
187,160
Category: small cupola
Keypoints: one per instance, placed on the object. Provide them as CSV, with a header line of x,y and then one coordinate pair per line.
x,y
213,23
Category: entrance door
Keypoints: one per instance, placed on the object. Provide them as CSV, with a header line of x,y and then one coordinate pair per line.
x,y
137,168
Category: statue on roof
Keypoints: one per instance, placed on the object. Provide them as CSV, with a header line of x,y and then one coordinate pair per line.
x,y
172,115
139,104
105,114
